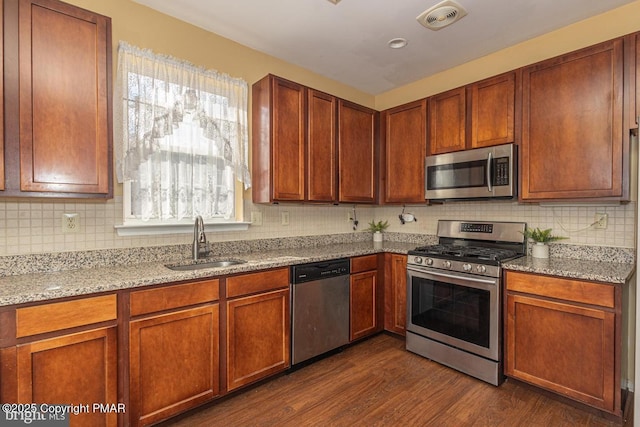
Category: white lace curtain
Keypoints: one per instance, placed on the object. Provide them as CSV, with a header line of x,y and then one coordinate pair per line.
x,y
184,137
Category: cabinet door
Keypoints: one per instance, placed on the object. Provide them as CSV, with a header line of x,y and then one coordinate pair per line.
x,y
356,153
65,85
174,363
562,347
572,142
288,140
258,331
405,148
493,111
447,121
363,294
2,98
395,293
76,369
321,152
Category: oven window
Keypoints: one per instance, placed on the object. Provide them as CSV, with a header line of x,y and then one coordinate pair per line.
x,y
456,311
457,175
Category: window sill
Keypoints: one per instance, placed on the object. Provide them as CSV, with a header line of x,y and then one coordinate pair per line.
x,y
157,229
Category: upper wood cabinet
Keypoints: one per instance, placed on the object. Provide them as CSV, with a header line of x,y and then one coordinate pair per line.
x,y
357,163
404,148
632,80
278,143
293,144
57,75
1,99
572,127
493,111
321,152
447,123
481,114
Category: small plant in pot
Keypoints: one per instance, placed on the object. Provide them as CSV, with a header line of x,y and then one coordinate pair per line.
x,y
377,228
541,238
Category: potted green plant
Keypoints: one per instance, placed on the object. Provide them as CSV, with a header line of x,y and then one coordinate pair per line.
x,y
541,238
377,228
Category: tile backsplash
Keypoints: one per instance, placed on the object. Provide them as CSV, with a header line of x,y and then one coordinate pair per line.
x,y
36,226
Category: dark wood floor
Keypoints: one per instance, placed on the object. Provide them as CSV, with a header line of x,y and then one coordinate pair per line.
x,y
378,383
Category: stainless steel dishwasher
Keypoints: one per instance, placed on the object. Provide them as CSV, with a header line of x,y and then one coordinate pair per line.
x,y
320,308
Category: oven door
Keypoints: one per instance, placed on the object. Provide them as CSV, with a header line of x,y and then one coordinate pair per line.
x,y
457,309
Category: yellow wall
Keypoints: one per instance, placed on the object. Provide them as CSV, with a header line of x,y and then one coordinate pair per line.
x,y
144,27
615,23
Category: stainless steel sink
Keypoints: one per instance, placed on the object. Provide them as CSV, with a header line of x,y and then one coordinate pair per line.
x,y
204,263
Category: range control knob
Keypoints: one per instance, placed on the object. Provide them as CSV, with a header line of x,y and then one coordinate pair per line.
x,y
466,267
429,261
417,260
447,264
481,268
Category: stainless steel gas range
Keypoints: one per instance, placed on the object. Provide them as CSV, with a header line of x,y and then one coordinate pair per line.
x,y
454,301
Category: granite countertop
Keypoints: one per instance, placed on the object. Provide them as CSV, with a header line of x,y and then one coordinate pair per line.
x,y
42,277
598,271
43,286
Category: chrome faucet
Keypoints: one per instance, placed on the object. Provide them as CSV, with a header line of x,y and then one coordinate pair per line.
x,y
200,248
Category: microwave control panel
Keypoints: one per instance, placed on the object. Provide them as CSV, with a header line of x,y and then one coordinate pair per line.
x,y
501,171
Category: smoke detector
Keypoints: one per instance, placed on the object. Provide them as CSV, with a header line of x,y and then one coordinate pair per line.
x,y
441,15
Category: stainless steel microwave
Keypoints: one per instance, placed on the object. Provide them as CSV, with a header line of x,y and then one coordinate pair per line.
x,y
480,173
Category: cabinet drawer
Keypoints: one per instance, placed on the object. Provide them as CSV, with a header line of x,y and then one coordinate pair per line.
x,y
63,315
175,296
257,282
564,289
364,263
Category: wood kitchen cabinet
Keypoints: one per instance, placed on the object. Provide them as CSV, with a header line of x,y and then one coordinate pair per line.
x,y
481,114
564,335
294,143
447,121
278,142
57,92
573,145
364,297
258,321
357,161
173,350
404,148
63,352
395,293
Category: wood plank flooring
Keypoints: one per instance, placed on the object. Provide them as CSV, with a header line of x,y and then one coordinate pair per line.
x,y
378,383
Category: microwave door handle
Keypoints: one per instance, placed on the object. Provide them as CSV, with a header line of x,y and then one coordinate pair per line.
x,y
489,165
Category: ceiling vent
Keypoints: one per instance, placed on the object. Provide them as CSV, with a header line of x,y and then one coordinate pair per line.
x,y
441,15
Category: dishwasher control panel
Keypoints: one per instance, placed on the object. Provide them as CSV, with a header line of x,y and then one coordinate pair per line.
x,y
319,270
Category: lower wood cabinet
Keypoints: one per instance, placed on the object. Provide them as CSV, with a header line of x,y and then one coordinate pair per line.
x,y
561,335
258,326
364,298
395,293
78,368
174,355
61,353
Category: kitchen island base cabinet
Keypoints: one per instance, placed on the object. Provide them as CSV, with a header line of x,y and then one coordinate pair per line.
x,y
568,346
258,326
76,369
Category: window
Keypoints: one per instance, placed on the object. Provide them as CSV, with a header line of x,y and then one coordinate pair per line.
x,y
184,143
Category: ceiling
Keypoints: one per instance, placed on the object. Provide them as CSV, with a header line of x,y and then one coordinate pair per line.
x,y
347,41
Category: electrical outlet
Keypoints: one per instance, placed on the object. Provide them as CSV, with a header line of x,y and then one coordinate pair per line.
x,y
256,218
284,216
600,221
349,216
70,223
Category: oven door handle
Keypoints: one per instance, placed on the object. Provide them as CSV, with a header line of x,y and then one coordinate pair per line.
x,y
489,166
468,278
